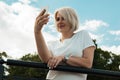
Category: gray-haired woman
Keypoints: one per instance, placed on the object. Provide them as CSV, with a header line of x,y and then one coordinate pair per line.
x,y
72,48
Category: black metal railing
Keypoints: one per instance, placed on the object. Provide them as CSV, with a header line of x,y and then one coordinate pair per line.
x,y
109,73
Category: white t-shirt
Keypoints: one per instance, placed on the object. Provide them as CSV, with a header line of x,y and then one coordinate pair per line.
x,y
72,46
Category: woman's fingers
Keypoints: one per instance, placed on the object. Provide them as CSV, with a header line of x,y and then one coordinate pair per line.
x,y
53,62
42,13
56,64
60,59
42,19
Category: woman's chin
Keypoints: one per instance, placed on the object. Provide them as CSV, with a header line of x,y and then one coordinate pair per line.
x,y
60,30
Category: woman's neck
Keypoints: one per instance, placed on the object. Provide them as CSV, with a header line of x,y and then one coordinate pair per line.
x,y
66,36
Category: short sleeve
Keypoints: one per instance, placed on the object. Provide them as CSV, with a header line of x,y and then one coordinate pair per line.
x,y
87,40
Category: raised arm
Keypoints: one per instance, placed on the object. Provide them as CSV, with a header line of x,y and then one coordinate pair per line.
x,y
43,51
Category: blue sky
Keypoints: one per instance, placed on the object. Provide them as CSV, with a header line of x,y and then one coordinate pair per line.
x,y
101,18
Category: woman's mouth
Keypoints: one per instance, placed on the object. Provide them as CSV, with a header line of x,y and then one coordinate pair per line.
x,y
61,26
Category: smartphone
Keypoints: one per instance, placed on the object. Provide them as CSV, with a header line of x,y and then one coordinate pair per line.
x,y
45,10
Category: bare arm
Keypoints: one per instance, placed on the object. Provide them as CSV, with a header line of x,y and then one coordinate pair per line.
x,y
43,51
85,61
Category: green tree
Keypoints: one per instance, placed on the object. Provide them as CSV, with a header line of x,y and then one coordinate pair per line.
x,y
26,71
106,61
3,54
115,63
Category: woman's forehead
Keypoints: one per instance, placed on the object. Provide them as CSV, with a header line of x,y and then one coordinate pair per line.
x,y
59,14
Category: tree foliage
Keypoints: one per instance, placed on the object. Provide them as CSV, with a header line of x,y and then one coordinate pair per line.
x,y
106,61
26,71
3,54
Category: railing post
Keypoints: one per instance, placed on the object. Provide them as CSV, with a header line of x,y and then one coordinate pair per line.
x,y
1,71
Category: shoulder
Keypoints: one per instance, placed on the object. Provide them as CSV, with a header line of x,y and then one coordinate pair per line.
x,y
81,32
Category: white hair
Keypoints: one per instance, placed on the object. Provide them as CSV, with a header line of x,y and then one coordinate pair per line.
x,y
70,15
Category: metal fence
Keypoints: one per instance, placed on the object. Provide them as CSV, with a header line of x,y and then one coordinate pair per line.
x,y
92,71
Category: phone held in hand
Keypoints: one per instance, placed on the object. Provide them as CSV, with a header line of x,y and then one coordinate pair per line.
x,y
45,10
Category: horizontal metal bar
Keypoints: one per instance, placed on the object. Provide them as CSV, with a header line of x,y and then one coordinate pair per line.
x,y
64,68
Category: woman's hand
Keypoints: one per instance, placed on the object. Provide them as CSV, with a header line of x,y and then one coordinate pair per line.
x,y
41,19
54,61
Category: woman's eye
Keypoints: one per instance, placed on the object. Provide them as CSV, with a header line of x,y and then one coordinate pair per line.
x,y
60,18
57,19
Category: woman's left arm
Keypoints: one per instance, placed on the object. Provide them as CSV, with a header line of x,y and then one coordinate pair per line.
x,y
85,61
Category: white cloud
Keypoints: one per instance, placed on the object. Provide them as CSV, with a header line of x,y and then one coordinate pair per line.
x,y
49,37
117,32
93,24
25,1
98,38
113,49
16,29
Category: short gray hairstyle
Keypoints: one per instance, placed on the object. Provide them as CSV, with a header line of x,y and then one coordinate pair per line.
x,y
70,15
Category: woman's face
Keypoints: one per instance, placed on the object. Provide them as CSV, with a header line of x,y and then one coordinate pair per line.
x,y
62,24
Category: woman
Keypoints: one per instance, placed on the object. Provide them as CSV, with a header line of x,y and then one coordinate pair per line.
x,y
75,49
